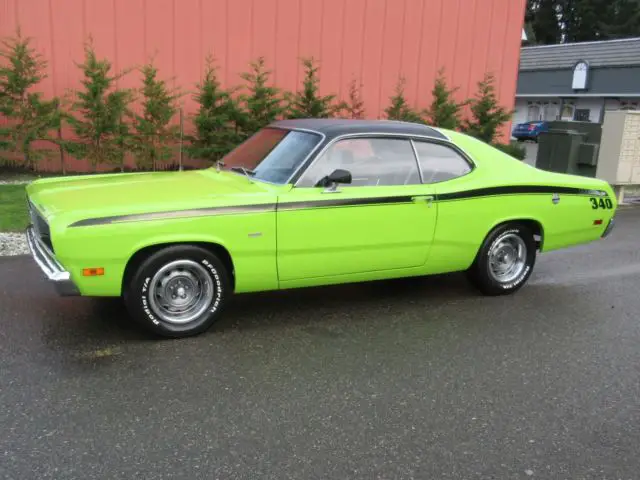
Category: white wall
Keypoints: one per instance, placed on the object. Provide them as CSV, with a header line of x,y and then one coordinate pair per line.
x,y
593,104
520,115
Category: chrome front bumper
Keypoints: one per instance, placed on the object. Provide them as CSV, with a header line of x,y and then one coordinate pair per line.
x,y
610,226
60,278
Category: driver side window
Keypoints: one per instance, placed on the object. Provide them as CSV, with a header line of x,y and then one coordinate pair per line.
x,y
371,162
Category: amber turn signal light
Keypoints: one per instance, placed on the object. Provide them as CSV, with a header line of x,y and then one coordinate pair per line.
x,y
92,272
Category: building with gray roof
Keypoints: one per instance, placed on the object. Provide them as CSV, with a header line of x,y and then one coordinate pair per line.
x,y
578,81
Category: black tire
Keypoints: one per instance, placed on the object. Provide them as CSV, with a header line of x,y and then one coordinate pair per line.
x,y
207,267
480,274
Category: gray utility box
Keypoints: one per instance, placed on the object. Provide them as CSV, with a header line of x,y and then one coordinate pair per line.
x,y
569,147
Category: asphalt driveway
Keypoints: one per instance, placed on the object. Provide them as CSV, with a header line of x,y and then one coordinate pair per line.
x,y
406,379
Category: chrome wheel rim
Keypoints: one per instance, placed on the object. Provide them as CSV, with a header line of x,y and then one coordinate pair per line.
x,y
180,292
507,258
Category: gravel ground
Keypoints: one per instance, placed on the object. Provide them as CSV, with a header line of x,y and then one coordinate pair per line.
x,y
13,244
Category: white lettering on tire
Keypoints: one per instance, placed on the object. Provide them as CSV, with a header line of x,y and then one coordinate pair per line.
x,y
216,277
525,272
144,289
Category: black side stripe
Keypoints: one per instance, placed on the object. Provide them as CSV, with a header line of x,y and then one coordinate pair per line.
x,y
519,190
337,202
196,212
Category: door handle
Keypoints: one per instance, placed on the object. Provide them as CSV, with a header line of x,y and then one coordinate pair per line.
x,y
423,198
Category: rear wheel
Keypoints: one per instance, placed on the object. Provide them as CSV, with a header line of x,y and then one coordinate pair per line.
x,y
178,291
505,260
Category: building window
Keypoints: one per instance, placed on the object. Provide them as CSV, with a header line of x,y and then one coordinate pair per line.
x,y
533,113
568,110
628,105
582,115
580,75
550,112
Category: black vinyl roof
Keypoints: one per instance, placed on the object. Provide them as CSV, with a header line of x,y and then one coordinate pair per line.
x,y
333,127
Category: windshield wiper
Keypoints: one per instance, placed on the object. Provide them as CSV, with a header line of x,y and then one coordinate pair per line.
x,y
246,171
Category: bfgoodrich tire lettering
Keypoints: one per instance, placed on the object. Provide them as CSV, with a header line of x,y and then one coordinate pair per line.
x,y
505,260
178,291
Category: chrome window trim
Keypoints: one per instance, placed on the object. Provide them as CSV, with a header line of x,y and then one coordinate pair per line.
x,y
442,133
415,154
301,166
463,154
410,136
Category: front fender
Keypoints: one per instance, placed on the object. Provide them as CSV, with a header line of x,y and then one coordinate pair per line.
x,y
249,238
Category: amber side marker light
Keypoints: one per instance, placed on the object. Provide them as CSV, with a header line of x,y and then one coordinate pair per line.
x,y
92,272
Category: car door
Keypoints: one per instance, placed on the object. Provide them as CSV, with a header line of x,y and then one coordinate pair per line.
x,y
384,220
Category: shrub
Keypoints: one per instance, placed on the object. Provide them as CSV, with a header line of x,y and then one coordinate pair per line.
x,y
514,149
354,106
399,108
263,104
217,120
308,103
444,111
487,116
100,130
153,132
29,116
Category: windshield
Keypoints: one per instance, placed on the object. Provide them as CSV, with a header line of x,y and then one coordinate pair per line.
x,y
272,154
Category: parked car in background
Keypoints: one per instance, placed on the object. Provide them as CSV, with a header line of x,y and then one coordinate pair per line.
x,y
305,203
529,130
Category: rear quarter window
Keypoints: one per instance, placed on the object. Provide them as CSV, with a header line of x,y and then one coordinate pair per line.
x,y
440,163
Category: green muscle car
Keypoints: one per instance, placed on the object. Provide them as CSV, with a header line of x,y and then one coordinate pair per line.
x,y
304,203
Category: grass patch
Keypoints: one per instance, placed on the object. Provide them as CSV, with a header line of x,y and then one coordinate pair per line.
x,y
13,208
17,177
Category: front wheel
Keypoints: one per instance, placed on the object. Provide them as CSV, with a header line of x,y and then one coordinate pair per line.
x,y
178,291
505,260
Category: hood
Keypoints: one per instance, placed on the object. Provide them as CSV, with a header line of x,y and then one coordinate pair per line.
x,y
129,193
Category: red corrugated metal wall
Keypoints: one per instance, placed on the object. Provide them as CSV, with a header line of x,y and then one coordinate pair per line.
x,y
371,40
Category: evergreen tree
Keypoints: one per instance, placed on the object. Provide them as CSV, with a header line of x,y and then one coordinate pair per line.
x,y
557,21
100,128
354,106
543,18
444,110
218,119
399,108
487,116
307,103
584,20
624,18
154,133
263,104
29,117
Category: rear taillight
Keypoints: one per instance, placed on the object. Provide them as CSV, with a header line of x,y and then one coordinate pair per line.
x,y
532,127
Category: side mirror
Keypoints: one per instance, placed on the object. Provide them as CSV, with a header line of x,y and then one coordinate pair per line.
x,y
337,176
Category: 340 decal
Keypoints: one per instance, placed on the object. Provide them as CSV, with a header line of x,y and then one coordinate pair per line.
x,y
601,203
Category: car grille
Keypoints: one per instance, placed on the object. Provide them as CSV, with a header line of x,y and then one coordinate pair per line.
x,y
40,226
